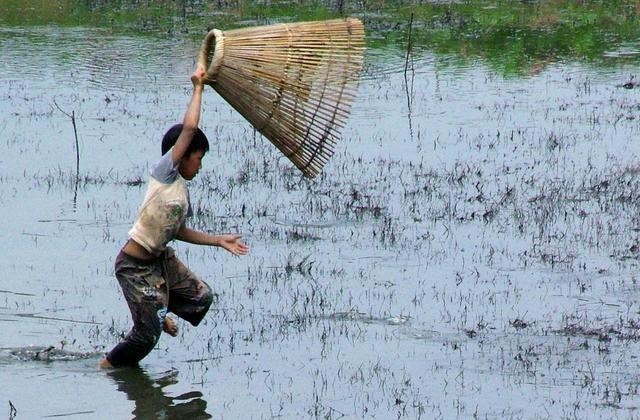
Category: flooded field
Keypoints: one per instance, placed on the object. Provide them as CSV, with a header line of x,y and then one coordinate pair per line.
x,y
470,251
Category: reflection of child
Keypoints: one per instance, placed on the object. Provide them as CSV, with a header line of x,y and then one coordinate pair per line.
x,y
154,281
152,398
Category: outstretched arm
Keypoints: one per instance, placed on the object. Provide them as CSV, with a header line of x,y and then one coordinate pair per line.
x,y
231,243
191,117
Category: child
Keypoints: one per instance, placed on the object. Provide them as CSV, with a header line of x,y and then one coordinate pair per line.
x,y
153,279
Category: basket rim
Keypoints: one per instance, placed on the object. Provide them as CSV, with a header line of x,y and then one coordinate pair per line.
x,y
215,39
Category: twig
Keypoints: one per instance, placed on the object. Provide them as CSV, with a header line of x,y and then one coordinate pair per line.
x,y
204,359
72,116
406,81
406,61
75,133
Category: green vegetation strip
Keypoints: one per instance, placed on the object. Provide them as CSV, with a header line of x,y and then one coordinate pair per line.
x,y
513,37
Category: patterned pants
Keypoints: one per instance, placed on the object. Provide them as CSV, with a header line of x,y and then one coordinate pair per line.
x,y
151,289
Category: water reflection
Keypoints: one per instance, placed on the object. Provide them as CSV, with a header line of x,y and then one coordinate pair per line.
x,y
152,402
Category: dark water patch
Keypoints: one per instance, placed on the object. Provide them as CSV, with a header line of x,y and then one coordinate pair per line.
x,y
629,331
295,236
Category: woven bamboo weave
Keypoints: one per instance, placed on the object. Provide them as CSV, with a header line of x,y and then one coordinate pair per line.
x,y
294,83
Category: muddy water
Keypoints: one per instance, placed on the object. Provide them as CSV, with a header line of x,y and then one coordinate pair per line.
x,y
471,249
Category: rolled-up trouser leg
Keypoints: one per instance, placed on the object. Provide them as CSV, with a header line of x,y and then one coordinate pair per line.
x,y
144,289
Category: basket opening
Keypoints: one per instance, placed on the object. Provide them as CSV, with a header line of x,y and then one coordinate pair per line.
x,y
211,53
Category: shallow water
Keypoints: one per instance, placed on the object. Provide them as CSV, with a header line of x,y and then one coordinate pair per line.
x,y
470,250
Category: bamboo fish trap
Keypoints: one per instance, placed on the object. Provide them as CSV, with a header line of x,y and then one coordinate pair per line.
x,y
293,82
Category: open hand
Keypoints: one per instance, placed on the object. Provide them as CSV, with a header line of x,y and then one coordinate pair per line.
x,y
233,244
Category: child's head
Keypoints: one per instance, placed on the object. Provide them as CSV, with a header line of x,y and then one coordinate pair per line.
x,y
199,141
191,162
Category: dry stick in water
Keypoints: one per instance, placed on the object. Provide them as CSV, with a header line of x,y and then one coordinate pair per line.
x,y
72,116
406,81
406,60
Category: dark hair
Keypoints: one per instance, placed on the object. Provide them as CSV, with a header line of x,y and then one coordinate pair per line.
x,y
199,141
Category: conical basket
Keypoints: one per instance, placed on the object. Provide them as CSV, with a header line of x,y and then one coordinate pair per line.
x,y
294,83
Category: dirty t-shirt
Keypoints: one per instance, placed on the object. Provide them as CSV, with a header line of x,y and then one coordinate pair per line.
x,y
164,209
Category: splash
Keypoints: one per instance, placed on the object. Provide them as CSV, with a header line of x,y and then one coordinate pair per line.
x,y
43,354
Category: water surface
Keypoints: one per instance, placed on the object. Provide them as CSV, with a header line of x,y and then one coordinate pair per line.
x,y
471,249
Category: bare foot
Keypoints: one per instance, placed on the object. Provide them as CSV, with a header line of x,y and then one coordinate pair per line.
x,y
105,364
169,326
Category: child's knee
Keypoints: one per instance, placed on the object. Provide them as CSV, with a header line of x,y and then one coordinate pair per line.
x,y
206,300
206,297
199,308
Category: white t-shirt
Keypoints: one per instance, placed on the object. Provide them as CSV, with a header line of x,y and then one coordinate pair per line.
x,y
164,209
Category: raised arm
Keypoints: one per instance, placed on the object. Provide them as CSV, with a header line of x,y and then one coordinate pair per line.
x,y
191,117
